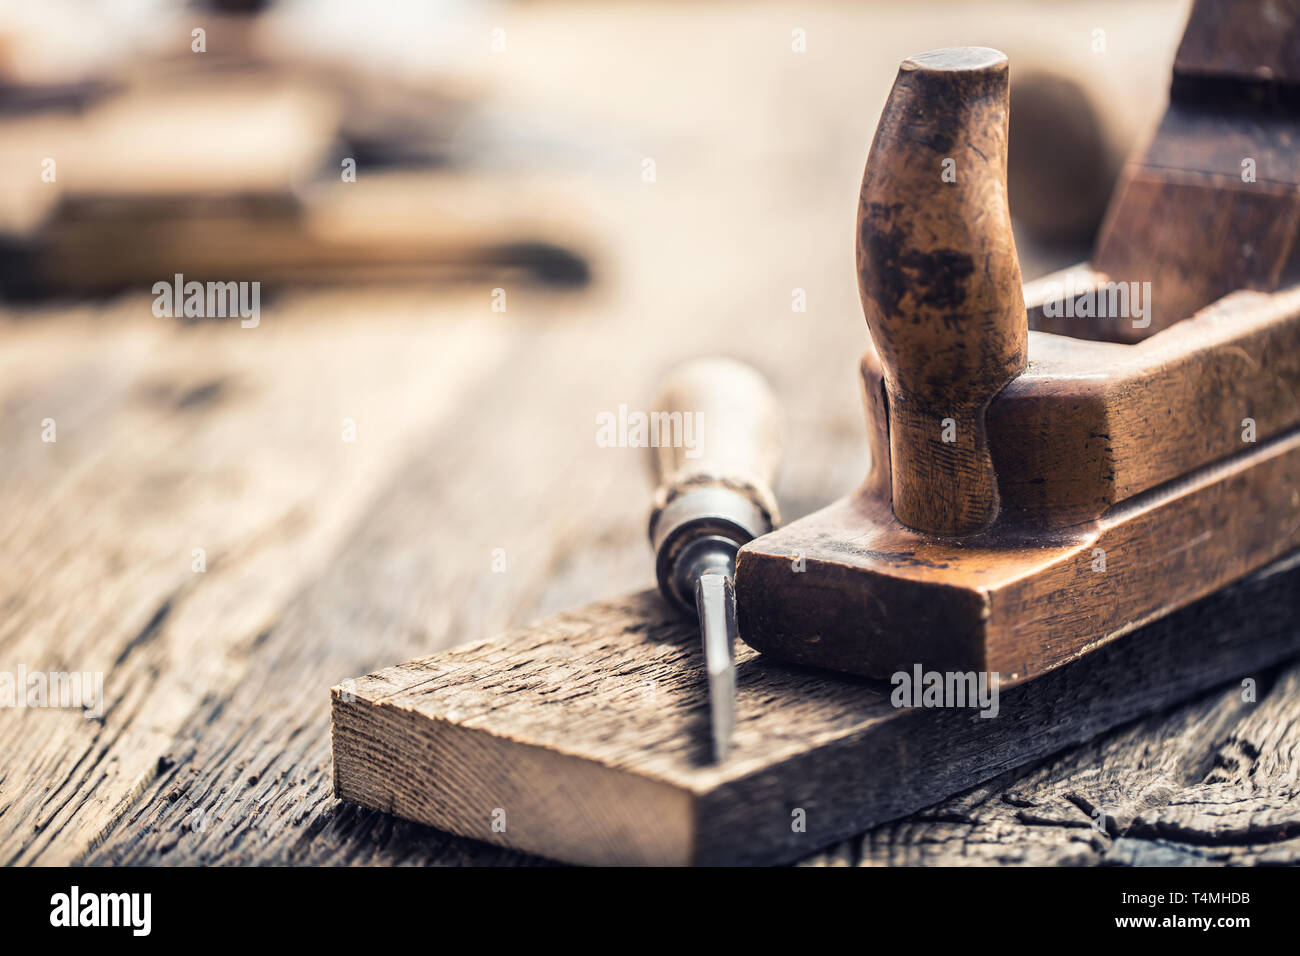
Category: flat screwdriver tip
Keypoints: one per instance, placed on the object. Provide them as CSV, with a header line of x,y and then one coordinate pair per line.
x,y
715,600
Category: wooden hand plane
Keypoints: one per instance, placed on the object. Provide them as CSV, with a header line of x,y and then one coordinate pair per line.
x,y
1036,494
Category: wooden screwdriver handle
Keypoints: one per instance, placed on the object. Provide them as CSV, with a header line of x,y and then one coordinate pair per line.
x,y
730,423
940,281
715,447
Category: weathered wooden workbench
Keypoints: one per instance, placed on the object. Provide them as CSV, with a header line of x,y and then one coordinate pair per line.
x,y
475,441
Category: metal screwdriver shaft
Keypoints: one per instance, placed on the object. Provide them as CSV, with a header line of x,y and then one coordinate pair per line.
x,y
711,498
715,601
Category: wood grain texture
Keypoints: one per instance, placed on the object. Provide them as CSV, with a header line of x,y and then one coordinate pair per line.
x,y
583,738
1210,782
171,439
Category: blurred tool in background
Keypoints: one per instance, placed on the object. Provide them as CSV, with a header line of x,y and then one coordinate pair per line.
x,y
127,165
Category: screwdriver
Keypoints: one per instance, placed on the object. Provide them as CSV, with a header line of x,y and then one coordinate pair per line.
x,y
715,444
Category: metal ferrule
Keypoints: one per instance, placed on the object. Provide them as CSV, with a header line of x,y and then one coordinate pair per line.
x,y
701,530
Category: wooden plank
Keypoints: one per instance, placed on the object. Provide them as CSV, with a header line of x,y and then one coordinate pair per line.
x,y
584,737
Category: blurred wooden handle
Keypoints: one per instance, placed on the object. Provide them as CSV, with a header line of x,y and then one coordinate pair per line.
x,y
716,422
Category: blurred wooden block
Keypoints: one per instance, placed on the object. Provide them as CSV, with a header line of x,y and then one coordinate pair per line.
x,y
429,227
239,179
585,738
1212,204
